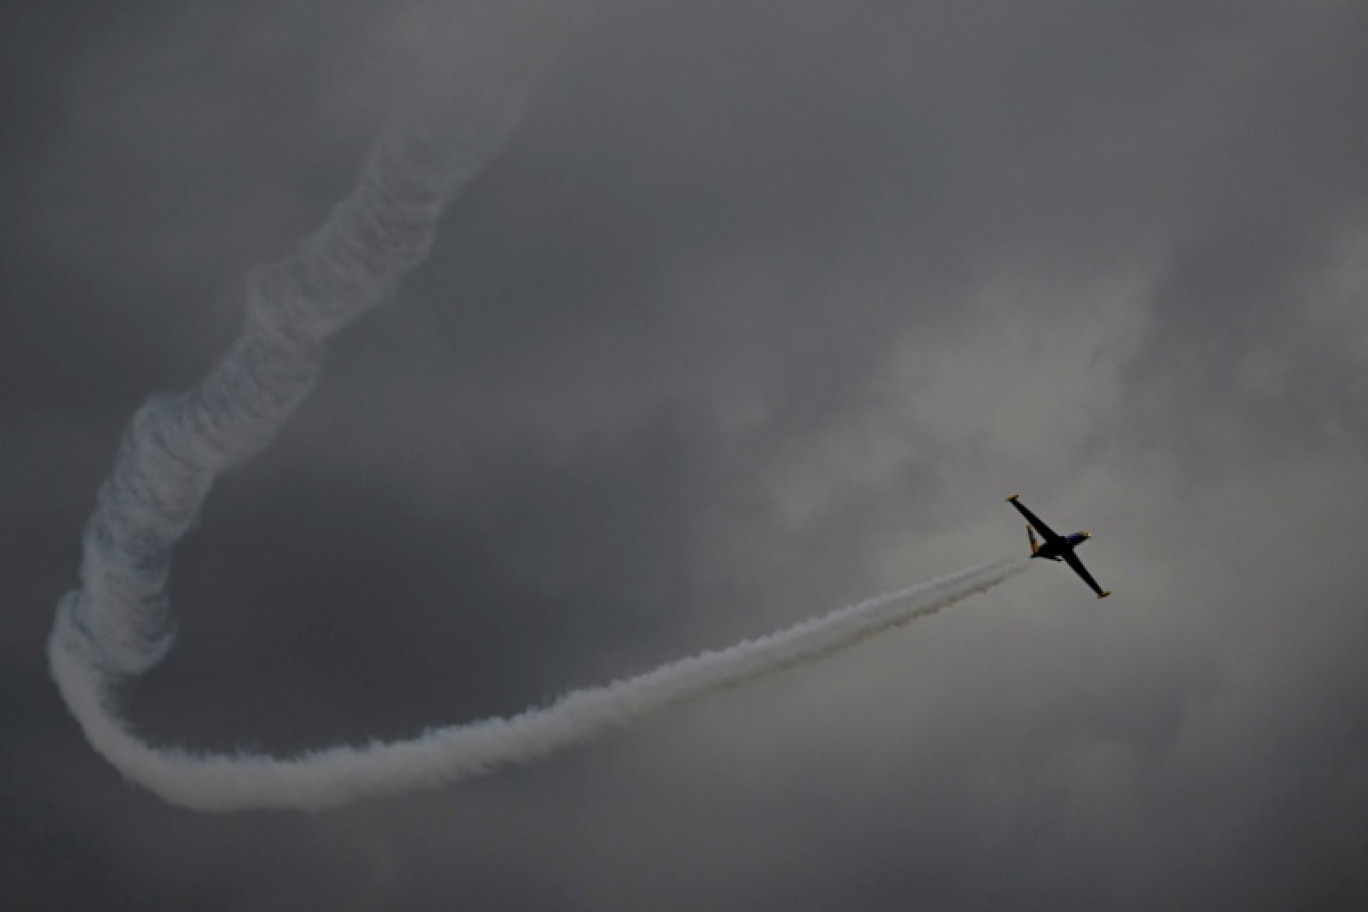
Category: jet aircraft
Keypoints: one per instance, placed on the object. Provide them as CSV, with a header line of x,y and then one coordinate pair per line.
x,y
1054,546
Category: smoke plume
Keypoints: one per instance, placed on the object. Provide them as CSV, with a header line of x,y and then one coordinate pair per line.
x,y
117,623
340,775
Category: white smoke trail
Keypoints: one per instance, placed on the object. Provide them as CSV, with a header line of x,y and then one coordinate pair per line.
x,y
177,445
341,775
117,624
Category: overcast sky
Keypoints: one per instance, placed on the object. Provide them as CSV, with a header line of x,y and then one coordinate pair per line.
x,y
763,310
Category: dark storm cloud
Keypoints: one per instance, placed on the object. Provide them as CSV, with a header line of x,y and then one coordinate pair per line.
x,y
1237,304
762,311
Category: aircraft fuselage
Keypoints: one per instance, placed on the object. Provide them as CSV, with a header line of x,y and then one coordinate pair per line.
x,y
1055,550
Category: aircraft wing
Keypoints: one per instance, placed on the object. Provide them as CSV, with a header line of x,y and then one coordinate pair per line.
x,y
1083,572
1045,531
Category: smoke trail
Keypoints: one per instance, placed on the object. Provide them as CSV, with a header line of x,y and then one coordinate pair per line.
x,y
177,445
341,775
117,623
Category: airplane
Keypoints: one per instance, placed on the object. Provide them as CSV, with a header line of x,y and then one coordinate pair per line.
x,y
1055,546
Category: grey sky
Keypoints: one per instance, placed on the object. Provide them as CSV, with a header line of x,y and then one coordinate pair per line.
x,y
763,310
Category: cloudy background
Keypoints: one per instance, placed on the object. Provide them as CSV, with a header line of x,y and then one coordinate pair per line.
x,y
762,311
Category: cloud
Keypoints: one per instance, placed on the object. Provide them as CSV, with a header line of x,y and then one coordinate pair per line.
x,y
710,282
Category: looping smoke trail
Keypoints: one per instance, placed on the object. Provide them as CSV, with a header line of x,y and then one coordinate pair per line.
x,y
176,445
117,624
342,775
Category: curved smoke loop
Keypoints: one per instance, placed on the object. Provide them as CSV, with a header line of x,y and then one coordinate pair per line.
x,y
117,624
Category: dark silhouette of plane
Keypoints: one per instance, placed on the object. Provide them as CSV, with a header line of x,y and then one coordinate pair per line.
x,y
1054,546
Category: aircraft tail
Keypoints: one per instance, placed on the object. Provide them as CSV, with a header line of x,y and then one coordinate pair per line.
x,y
1035,544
